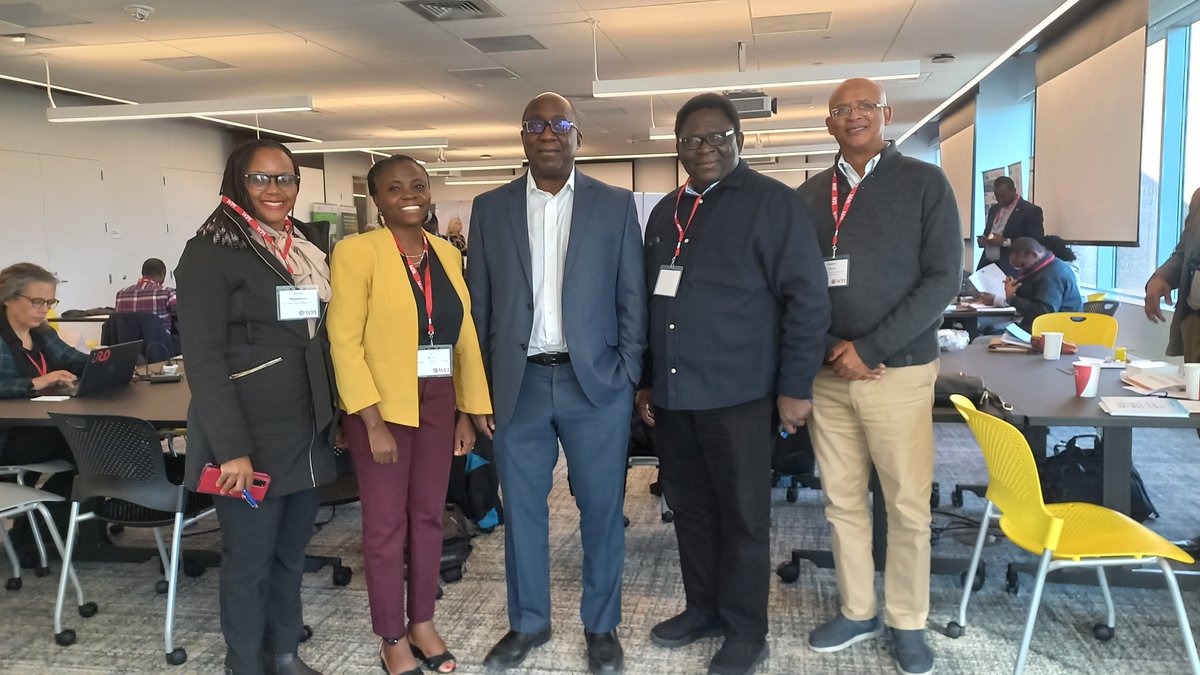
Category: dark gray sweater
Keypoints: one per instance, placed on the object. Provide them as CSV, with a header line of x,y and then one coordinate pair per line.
x,y
905,244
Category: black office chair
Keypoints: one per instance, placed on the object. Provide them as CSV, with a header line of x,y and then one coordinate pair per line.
x,y
1108,307
157,344
123,480
344,490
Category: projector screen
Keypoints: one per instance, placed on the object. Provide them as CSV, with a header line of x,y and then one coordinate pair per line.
x,y
1088,146
958,161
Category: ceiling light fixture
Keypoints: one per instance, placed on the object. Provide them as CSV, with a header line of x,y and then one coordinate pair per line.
x,y
502,180
367,146
1016,46
762,79
801,168
174,109
792,151
668,133
484,165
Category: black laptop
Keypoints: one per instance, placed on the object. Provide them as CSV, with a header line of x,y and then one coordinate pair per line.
x,y
107,368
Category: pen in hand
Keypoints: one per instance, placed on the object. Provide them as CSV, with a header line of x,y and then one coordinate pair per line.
x,y
249,498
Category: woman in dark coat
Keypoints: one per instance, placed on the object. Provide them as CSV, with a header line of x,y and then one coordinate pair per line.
x,y
253,286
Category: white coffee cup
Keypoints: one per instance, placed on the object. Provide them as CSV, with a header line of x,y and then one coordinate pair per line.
x,y
1052,346
1191,378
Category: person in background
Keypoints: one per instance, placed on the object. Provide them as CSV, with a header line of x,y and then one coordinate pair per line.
x,y
559,301
253,287
1044,281
736,336
1009,219
399,418
149,295
455,236
889,230
1178,273
33,360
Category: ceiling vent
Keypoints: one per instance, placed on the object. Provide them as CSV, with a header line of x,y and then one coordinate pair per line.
x,y
452,10
753,104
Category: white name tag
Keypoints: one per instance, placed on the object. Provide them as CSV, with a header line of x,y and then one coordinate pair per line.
x,y
838,271
668,280
297,302
435,361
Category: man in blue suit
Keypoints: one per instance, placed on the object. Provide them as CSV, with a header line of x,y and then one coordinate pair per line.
x,y
559,300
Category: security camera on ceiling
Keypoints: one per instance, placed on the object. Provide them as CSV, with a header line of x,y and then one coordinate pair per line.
x,y
139,13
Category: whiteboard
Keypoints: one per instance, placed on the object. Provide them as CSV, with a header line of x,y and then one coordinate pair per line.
x,y
1088,145
958,162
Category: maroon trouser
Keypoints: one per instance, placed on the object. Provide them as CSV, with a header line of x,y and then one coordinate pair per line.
x,y
402,507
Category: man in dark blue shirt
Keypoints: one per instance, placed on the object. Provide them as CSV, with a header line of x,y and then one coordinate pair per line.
x,y
738,316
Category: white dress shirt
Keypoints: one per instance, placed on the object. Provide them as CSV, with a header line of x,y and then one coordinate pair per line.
x,y
851,175
549,219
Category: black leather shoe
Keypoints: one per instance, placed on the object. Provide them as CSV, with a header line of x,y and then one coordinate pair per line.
x,y
512,649
685,628
288,664
737,657
604,652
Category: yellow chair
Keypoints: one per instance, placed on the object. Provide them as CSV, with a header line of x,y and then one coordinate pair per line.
x,y
1096,297
1079,327
1064,535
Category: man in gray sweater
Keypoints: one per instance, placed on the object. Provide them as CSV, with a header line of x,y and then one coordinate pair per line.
x,y
889,231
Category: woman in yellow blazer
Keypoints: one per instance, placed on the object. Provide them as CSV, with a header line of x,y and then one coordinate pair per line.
x,y
406,356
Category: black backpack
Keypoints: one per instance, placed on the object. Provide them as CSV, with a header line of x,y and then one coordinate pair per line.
x,y
1074,473
475,487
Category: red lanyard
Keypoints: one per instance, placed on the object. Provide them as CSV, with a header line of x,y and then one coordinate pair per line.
x,y
426,287
1049,259
838,218
269,238
684,228
44,368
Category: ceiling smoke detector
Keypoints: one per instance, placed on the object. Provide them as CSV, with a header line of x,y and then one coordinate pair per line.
x,y
942,58
139,13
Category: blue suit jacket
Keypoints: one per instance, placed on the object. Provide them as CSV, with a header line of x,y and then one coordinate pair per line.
x,y
604,293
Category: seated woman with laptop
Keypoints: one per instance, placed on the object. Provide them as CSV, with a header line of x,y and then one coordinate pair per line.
x,y
32,360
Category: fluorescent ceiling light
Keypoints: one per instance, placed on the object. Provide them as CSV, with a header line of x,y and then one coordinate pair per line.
x,y
642,155
1016,46
791,151
502,180
367,146
480,165
761,79
802,168
668,133
173,109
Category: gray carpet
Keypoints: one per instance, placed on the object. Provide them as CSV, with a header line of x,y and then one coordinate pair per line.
x,y
126,636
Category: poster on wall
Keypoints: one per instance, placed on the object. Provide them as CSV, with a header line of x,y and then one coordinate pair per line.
x,y
1014,172
989,181
327,213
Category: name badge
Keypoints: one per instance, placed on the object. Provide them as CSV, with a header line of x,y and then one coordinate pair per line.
x,y
668,280
838,271
435,361
293,303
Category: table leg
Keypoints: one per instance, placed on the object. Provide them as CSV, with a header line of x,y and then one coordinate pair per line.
x,y
1118,467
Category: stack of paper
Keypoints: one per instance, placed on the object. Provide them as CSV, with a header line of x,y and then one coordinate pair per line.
x,y
1142,406
1155,382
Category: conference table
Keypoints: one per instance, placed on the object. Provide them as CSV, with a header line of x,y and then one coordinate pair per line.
x,y
1041,395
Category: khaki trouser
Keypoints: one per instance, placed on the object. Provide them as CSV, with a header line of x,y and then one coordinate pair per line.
x,y
887,423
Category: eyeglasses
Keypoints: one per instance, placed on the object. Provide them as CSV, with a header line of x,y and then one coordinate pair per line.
x,y
558,125
41,302
860,108
716,139
262,180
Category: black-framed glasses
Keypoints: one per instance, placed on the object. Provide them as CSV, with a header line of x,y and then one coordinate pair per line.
x,y
262,180
558,125
862,108
40,302
716,139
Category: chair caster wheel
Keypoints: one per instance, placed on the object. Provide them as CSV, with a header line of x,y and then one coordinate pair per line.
x,y
956,497
440,592
342,575
65,638
116,529
953,630
793,494
935,497
13,584
161,586
1012,582
41,571
306,632
788,572
176,657
88,609
1103,632
980,575
626,520
668,516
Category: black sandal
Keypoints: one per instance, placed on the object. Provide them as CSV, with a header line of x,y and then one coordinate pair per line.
x,y
383,661
435,663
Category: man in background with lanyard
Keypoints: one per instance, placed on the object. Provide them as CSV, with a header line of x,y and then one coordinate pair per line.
x,y
738,315
889,229
1009,219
